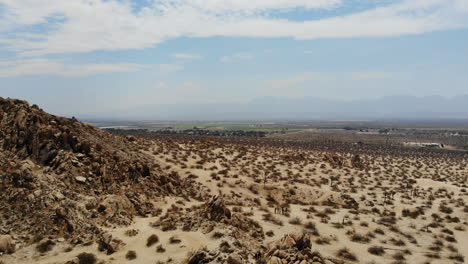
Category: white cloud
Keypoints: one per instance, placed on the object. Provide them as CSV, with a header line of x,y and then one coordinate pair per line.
x,y
90,25
14,68
249,7
187,56
54,67
237,57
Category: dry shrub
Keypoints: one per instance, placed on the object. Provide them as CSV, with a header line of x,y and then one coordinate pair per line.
x,y
295,221
376,250
217,235
153,239
346,254
160,249
174,240
131,255
86,258
45,246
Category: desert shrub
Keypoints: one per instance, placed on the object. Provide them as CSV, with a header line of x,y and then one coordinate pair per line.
x,y
86,258
398,242
295,221
131,232
457,257
447,231
398,256
323,241
131,255
450,239
346,254
445,209
174,240
45,246
360,238
217,235
432,255
153,239
375,250
168,226
160,249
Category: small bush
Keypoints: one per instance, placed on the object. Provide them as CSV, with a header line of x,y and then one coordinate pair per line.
x,y
86,258
457,257
295,221
375,250
160,249
153,239
45,246
131,255
346,254
174,240
360,238
217,235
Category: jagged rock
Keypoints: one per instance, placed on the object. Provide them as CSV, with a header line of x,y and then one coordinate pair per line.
x,y
7,245
80,179
216,210
109,244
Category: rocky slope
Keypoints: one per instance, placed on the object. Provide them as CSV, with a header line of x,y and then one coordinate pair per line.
x,y
61,178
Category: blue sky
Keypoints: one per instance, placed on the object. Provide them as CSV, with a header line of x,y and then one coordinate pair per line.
x,y
84,56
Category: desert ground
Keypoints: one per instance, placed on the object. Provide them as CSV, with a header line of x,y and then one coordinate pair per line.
x,y
230,200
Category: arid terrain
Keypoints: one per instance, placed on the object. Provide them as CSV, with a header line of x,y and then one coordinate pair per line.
x,y
72,193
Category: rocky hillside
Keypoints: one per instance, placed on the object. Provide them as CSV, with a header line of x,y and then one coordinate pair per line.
x,y
60,177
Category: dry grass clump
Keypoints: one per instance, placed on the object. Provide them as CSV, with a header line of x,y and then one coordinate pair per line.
x,y
86,258
398,256
131,232
160,249
359,238
398,242
379,231
45,246
295,221
323,241
376,250
457,257
217,235
270,218
153,239
346,254
174,240
131,255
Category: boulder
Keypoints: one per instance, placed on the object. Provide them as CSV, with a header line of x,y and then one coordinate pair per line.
x,y
7,245
274,260
234,259
216,210
80,179
109,244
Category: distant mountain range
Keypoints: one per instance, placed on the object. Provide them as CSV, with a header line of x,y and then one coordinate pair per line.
x,y
307,108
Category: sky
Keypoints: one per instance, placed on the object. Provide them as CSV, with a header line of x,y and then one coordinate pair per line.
x,y
91,56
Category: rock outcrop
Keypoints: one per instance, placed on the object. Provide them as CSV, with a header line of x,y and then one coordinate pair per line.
x,y
63,178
